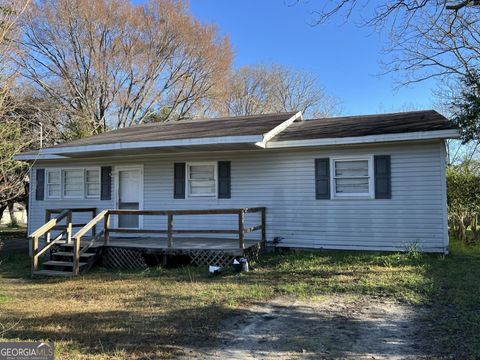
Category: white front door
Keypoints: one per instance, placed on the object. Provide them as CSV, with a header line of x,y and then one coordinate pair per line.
x,y
129,195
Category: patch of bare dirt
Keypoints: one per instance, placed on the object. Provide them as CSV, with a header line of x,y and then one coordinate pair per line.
x,y
331,328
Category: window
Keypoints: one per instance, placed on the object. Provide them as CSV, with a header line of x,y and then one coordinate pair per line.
x,y
73,183
201,179
53,184
92,183
352,177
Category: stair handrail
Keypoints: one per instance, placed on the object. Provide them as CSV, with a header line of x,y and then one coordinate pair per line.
x,y
45,230
78,236
50,224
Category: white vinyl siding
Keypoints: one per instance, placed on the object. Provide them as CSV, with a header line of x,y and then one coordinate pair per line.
x,y
284,182
54,184
352,177
201,179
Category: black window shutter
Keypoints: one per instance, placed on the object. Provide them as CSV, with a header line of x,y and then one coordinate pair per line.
x,y
106,183
179,181
224,182
383,186
322,178
40,188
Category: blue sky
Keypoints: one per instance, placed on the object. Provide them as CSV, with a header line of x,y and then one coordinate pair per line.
x,y
345,58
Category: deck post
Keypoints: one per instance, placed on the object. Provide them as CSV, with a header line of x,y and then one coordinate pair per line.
x,y
241,228
69,227
48,215
170,231
34,254
76,256
106,225
264,226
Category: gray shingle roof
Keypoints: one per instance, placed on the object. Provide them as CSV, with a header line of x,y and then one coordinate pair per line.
x,y
219,127
364,125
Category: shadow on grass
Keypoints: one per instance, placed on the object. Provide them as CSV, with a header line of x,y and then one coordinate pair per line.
x,y
448,286
173,333
15,266
453,321
13,240
129,332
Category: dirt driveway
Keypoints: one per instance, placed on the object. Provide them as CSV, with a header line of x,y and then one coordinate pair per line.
x,y
329,328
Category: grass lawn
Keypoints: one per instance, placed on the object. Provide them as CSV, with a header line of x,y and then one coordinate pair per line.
x,y
153,314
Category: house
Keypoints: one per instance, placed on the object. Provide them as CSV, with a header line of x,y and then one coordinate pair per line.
x,y
370,182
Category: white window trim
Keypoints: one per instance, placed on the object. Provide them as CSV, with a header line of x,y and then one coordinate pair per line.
x,y
62,183
85,192
371,184
47,171
187,179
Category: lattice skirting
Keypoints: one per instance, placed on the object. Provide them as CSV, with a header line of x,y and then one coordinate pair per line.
x,y
121,258
220,258
253,252
209,257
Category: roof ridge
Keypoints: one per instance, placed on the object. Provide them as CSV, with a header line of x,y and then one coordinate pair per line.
x,y
399,113
221,118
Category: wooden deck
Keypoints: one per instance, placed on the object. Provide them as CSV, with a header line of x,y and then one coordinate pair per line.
x,y
181,244
201,245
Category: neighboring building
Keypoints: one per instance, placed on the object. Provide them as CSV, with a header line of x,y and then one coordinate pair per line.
x,y
374,182
19,212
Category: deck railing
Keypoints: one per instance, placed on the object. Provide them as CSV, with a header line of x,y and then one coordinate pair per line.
x,y
92,211
170,231
105,216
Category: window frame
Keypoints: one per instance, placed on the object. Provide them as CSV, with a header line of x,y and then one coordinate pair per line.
x,y
62,195
47,183
85,183
82,196
215,179
371,178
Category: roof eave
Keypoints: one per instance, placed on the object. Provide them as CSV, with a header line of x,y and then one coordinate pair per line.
x,y
419,135
37,156
152,144
256,140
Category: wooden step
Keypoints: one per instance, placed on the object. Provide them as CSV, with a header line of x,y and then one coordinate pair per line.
x,y
53,273
62,263
83,244
66,253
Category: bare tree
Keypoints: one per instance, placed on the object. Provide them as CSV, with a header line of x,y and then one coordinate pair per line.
x,y
10,12
382,11
12,174
427,38
261,89
109,63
